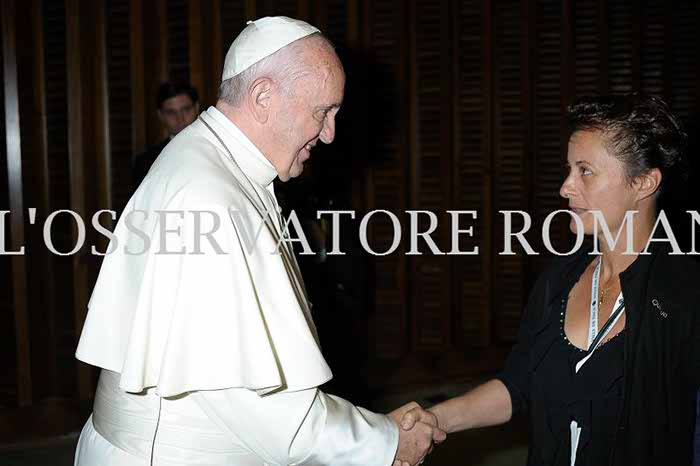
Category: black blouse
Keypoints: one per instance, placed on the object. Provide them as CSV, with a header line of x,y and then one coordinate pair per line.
x,y
592,397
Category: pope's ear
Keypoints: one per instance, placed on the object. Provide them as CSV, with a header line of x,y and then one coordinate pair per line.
x,y
649,183
259,93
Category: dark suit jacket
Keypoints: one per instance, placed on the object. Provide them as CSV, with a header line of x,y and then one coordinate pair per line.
x,y
142,162
697,434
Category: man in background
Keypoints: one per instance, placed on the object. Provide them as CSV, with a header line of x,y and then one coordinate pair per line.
x,y
178,106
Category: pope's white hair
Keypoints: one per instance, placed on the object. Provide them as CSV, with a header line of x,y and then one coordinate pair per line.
x,y
283,67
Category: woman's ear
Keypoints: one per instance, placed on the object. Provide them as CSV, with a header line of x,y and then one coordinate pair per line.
x,y
648,184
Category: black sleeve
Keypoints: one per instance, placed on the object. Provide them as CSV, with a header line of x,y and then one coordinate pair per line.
x,y
141,164
693,363
517,372
139,169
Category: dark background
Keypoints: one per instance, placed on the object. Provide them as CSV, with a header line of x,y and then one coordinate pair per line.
x,y
450,105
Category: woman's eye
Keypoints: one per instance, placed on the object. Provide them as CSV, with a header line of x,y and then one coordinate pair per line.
x,y
585,171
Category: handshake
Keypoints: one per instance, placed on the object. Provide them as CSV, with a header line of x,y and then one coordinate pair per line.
x,y
418,431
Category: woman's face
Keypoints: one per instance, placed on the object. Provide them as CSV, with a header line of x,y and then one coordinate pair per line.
x,y
596,181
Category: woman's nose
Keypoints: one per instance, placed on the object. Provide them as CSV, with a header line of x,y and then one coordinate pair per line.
x,y
567,188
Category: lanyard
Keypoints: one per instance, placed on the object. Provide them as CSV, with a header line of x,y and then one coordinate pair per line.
x,y
594,337
594,340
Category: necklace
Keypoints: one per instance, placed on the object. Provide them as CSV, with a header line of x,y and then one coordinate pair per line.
x,y
603,291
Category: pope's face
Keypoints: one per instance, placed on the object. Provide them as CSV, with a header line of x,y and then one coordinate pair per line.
x,y
307,115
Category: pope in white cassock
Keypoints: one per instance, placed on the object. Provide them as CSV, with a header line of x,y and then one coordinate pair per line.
x,y
199,317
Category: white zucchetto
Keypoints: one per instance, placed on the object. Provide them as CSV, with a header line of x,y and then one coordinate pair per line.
x,y
261,39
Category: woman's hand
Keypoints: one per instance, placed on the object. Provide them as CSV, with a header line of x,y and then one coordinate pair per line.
x,y
418,432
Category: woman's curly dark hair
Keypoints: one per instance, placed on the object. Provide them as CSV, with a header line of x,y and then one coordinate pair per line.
x,y
639,130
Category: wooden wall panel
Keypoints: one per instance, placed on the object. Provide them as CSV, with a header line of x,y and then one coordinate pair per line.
x,y
337,15
587,40
233,20
685,66
430,286
8,380
282,8
178,59
197,50
472,173
121,108
621,46
137,76
548,151
388,176
56,85
80,140
16,202
32,99
510,163
100,179
154,35
206,49
653,47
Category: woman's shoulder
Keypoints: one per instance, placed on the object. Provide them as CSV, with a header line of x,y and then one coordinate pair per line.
x,y
561,267
558,273
677,274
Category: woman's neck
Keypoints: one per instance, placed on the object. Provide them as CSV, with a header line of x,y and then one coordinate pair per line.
x,y
617,259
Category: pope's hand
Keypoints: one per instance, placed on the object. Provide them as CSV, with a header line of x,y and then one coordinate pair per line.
x,y
417,414
417,433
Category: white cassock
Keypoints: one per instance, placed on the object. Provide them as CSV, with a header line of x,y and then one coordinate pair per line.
x,y
206,342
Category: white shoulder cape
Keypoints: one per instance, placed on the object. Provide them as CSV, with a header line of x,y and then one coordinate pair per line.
x,y
185,322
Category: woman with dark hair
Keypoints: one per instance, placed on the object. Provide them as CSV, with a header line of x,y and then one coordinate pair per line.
x,y
607,361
